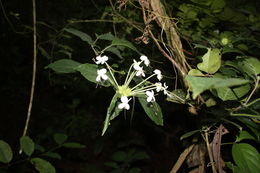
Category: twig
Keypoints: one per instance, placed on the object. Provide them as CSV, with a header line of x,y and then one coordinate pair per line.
x,y
253,91
34,70
209,151
181,159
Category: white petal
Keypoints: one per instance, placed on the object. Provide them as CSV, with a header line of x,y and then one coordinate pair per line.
x,y
127,107
121,105
98,79
124,99
104,77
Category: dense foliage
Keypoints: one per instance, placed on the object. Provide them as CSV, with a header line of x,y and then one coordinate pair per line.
x,y
121,84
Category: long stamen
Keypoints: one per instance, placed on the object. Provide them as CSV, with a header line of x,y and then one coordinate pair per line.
x,y
109,68
142,91
143,81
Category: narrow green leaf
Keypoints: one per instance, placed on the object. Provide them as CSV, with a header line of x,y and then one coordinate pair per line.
x,y
44,52
27,145
115,51
246,157
106,36
112,164
110,113
244,135
188,134
73,145
6,153
42,165
211,61
89,71
119,156
125,43
201,84
64,66
53,155
83,36
60,138
153,111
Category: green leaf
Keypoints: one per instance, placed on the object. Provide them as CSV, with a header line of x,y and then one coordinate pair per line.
x,y
106,36
232,94
112,112
119,156
83,36
201,84
53,155
42,166
140,155
73,145
64,66
112,164
177,96
27,145
6,153
188,134
44,52
60,138
195,72
125,43
153,111
210,102
255,128
211,61
244,135
89,71
246,157
135,170
250,65
115,51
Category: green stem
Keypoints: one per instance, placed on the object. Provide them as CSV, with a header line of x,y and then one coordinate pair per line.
x,y
113,77
143,81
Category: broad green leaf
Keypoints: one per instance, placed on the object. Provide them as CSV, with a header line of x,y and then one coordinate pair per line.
x,y
188,134
89,71
119,156
106,36
246,157
217,5
27,145
53,155
115,51
112,111
83,36
135,170
73,145
153,111
42,165
201,84
6,153
60,138
64,66
195,72
139,155
226,93
39,148
250,65
211,61
255,128
112,164
125,43
244,135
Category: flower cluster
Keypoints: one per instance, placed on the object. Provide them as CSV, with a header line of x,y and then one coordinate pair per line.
x,y
144,88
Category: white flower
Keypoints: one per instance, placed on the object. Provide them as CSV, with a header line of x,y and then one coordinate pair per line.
x,y
150,96
137,65
165,92
101,74
101,59
140,72
158,73
159,86
145,59
124,104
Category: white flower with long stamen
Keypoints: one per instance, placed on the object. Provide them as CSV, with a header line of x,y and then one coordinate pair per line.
x,y
158,73
165,92
137,65
145,59
101,59
124,103
101,75
150,96
159,86
140,72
